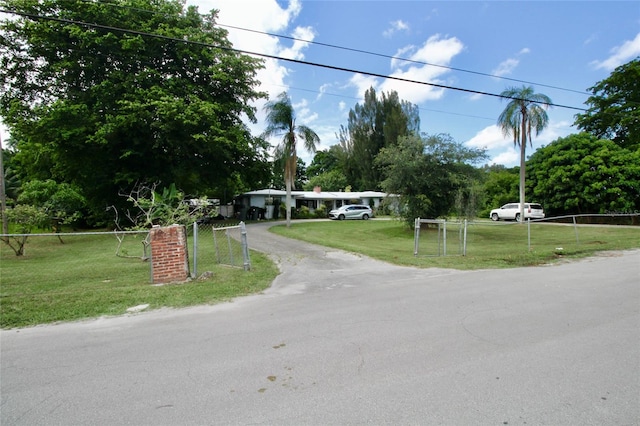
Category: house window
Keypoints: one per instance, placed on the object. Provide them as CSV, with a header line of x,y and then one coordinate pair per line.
x,y
311,204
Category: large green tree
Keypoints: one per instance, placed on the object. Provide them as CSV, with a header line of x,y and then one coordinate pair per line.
x,y
61,202
583,174
281,122
325,171
323,162
301,179
102,95
614,107
376,123
428,172
524,114
333,180
500,186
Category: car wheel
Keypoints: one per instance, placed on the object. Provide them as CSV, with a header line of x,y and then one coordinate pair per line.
x,y
517,217
494,217
365,216
341,217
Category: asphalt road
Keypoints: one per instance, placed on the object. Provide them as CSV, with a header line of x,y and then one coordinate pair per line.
x,y
341,339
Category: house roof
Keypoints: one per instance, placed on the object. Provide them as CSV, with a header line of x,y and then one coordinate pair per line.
x,y
322,195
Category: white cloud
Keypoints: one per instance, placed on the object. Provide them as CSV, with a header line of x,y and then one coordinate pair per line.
x,y
304,114
363,83
395,26
435,50
489,138
403,52
620,55
265,16
322,90
501,149
438,50
262,16
509,158
295,51
591,39
505,67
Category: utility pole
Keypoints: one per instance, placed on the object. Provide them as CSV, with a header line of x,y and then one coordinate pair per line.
x,y
3,195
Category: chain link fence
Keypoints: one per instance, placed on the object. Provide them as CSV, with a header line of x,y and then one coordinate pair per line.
x,y
209,246
439,237
213,245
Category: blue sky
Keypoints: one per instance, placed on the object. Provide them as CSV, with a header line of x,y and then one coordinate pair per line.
x,y
552,45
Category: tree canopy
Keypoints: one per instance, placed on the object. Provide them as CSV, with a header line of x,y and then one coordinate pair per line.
x,y
95,105
427,172
583,174
376,123
500,186
614,107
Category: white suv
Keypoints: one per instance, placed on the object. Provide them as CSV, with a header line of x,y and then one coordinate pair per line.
x,y
351,211
511,211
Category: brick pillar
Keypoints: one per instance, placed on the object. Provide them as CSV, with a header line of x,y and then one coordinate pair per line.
x,y
169,254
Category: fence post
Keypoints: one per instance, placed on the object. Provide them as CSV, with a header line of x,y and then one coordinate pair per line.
x,y
169,254
464,240
575,228
195,250
529,233
416,235
245,246
445,237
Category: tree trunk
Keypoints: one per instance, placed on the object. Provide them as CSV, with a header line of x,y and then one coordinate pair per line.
x,y
523,147
288,201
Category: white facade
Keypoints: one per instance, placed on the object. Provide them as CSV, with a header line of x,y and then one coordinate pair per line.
x,y
263,198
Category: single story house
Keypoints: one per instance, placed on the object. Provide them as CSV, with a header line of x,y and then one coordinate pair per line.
x,y
266,198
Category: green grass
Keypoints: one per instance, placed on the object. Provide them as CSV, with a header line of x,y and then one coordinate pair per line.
x,y
489,245
83,278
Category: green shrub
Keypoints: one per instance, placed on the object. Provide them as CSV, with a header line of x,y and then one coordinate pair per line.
x,y
304,213
321,211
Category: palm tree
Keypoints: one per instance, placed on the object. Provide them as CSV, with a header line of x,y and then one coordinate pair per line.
x,y
525,112
281,121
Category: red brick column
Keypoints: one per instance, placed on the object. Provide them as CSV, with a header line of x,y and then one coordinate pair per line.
x,y
169,254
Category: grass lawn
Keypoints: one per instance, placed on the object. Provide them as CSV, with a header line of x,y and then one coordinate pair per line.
x,y
83,278
489,245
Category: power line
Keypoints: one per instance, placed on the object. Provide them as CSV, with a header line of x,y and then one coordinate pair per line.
x,y
360,99
382,55
359,51
269,56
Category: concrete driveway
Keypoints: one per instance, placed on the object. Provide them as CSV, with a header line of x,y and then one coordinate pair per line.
x,y
341,339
